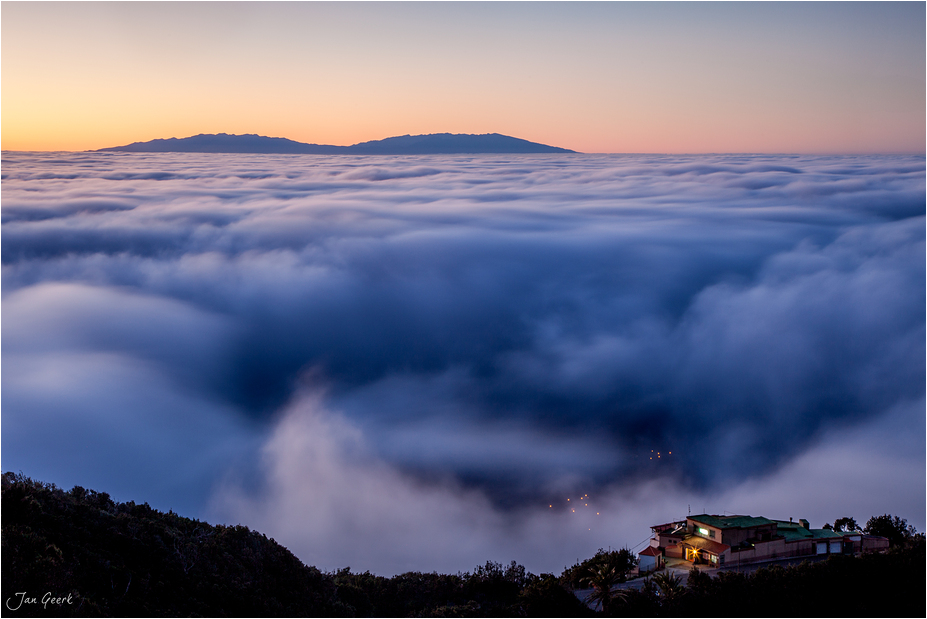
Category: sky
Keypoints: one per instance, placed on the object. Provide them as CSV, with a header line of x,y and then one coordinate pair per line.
x,y
592,77
424,363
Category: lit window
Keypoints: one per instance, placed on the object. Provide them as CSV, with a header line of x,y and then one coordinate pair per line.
x,y
702,531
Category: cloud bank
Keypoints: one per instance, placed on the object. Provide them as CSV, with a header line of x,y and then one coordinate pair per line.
x,y
417,351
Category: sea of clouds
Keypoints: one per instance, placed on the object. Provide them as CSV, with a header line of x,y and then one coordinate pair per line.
x,y
401,363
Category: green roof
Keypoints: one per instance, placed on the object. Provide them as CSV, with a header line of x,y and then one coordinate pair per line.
x,y
792,531
819,533
731,522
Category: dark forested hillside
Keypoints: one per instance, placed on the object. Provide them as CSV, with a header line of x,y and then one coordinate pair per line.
x,y
125,559
80,553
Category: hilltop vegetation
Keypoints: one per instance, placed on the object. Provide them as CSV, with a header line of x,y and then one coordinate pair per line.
x,y
125,559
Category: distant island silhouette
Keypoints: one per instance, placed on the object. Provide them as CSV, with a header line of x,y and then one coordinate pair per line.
x,y
430,144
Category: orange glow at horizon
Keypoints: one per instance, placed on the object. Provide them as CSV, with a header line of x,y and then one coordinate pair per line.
x,y
609,78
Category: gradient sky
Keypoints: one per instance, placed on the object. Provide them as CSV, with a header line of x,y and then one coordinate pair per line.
x,y
600,77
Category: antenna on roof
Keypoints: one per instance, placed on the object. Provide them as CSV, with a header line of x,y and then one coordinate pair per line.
x,y
690,510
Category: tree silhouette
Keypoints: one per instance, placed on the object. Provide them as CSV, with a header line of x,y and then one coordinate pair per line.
x,y
669,585
843,525
894,528
602,578
127,559
621,561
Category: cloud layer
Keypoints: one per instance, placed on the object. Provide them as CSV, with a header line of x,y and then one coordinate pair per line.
x,y
480,335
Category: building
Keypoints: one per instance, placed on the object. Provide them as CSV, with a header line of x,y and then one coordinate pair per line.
x,y
719,541
649,559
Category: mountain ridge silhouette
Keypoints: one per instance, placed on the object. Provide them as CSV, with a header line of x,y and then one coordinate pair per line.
x,y
425,144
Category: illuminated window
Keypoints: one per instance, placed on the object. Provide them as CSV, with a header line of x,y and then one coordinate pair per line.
x,y
702,531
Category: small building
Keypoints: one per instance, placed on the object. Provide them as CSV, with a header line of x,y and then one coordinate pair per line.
x,y
717,541
667,538
649,559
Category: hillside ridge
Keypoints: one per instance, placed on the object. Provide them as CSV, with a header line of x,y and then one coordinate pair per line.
x,y
425,144
90,555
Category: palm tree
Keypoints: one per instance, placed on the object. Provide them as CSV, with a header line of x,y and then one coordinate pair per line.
x,y
602,577
670,585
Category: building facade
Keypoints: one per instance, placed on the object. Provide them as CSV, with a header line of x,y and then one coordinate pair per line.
x,y
718,541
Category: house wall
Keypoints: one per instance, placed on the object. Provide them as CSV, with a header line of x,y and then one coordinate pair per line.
x,y
733,537
799,548
874,544
668,540
852,544
778,549
675,552
761,551
745,555
771,549
693,527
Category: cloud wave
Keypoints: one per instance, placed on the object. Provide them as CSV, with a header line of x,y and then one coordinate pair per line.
x,y
503,330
